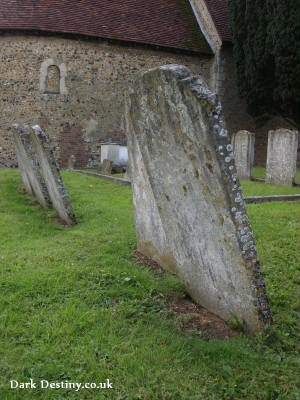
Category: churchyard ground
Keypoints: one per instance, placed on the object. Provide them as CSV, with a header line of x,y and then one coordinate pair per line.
x,y
74,306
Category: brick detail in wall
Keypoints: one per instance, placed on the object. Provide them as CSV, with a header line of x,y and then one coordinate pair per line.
x,y
72,143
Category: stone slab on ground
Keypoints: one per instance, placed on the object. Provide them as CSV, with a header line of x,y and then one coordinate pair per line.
x,y
282,157
243,150
31,176
189,210
111,178
263,199
56,188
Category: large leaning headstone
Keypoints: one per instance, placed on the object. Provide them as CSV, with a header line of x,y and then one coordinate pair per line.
x,y
243,150
189,209
53,180
31,176
282,157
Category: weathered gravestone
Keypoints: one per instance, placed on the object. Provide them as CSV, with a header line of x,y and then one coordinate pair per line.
x,y
282,157
189,209
243,150
31,176
54,182
71,162
106,167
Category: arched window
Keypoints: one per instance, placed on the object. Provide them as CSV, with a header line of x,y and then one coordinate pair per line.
x,y
52,80
53,77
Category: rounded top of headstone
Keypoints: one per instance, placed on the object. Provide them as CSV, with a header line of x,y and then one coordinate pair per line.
x,y
244,132
282,130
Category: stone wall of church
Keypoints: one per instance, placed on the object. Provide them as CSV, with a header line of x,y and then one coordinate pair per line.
x,y
235,108
74,89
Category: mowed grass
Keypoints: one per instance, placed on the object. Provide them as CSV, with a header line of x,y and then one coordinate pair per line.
x,y
73,307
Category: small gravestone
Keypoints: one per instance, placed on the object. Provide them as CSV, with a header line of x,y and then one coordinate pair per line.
x,y
282,157
127,173
71,162
31,176
53,180
189,208
106,167
243,150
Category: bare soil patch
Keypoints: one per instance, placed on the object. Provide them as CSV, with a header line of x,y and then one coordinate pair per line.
x,y
199,319
140,259
57,220
196,318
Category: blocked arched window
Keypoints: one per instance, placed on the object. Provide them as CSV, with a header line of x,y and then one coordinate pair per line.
x,y
52,80
53,76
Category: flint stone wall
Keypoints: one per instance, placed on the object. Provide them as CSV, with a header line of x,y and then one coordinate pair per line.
x,y
53,180
282,157
189,209
31,176
88,109
96,77
243,150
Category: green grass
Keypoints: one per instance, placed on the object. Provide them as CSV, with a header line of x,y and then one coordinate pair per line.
x,y
260,172
75,308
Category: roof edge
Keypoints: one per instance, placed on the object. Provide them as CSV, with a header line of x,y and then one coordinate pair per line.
x,y
121,42
206,24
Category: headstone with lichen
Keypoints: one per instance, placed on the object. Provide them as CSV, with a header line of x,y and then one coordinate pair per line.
x,y
189,209
48,164
282,157
31,176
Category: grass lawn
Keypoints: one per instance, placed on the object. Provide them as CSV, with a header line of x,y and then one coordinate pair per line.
x,y
73,306
260,172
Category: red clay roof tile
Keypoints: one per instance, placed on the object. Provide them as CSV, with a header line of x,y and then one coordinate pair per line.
x,y
219,12
158,22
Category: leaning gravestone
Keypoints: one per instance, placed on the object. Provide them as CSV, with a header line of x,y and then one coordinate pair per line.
x,y
54,182
282,157
189,209
243,150
31,176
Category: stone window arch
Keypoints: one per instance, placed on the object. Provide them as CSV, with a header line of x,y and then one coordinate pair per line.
x,y
52,78
52,84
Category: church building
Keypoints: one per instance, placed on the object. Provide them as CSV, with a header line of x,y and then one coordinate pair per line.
x,y
68,65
